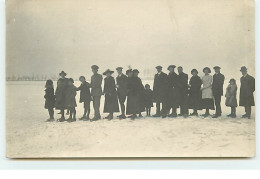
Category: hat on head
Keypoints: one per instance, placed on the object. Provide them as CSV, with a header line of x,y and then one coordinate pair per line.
x,y
207,68
71,80
95,67
49,82
232,79
108,71
171,66
243,68
216,67
135,71
129,70
119,68
158,67
62,72
194,70
82,77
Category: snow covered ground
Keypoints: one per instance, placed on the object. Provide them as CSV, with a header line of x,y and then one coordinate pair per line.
x,y
29,136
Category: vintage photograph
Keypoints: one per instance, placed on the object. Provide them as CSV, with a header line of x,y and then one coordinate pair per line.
x,y
130,78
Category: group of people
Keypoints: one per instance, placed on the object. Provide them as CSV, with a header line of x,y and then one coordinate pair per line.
x,y
170,92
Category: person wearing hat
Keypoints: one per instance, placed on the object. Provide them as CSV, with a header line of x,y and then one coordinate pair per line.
x,y
96,91
60,94
207,94
121,83
160,88
111,100
231,97
71,103
217,88
195,98
85,97
49,99
247,89
183,82
173,98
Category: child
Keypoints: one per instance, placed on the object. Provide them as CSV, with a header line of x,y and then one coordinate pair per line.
x,y
148,99
85,97
71,93
49,99
231,97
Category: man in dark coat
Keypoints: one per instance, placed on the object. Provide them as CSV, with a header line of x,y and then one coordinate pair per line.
x,y
160,88
217,88
121,83
183,82
173,100
96,91
247,89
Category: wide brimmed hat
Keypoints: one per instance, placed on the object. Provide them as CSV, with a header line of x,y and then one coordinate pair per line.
x,y
62,72
119,68
232,79
71,80
243,68
171,66
129,70
49,82
95,67
216,67
108,71
158,67
194,70
207,68
135,71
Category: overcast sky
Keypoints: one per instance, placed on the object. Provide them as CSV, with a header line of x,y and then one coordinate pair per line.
x,y
48,36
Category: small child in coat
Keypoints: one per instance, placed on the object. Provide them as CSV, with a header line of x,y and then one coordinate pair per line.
x,y
85,97
71,93
231,97
148,98
49,99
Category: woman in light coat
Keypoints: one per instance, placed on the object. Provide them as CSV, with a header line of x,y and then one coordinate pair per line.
x,y
207,94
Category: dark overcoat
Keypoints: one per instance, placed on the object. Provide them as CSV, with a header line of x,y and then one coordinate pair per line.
x,y
217,84
160,87
183,81
247,89
148,98
173,99
49,98
60,93
84,89
71,93
111,100
231,95
195,96
96,82
122,85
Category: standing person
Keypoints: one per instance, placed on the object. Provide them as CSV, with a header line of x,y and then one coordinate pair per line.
x,y
247,89
183,81
173,100
148,98
71,103
96,91
217,88
140,92
160,88
111,101
207,94
195,98
49,99
85,97
60,94
121,83
231,97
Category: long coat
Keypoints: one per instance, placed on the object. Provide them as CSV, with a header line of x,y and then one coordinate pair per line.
x,y
195,96
231,95
96,82
71,93
84,89
160,87
60,93
121,81
247,89
111,100
135,90
49,98
173,99
217,85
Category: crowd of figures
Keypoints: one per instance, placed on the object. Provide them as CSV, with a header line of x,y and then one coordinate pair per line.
x,y
169,93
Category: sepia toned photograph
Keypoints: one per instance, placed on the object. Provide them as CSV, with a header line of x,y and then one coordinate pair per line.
x,y
130,78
